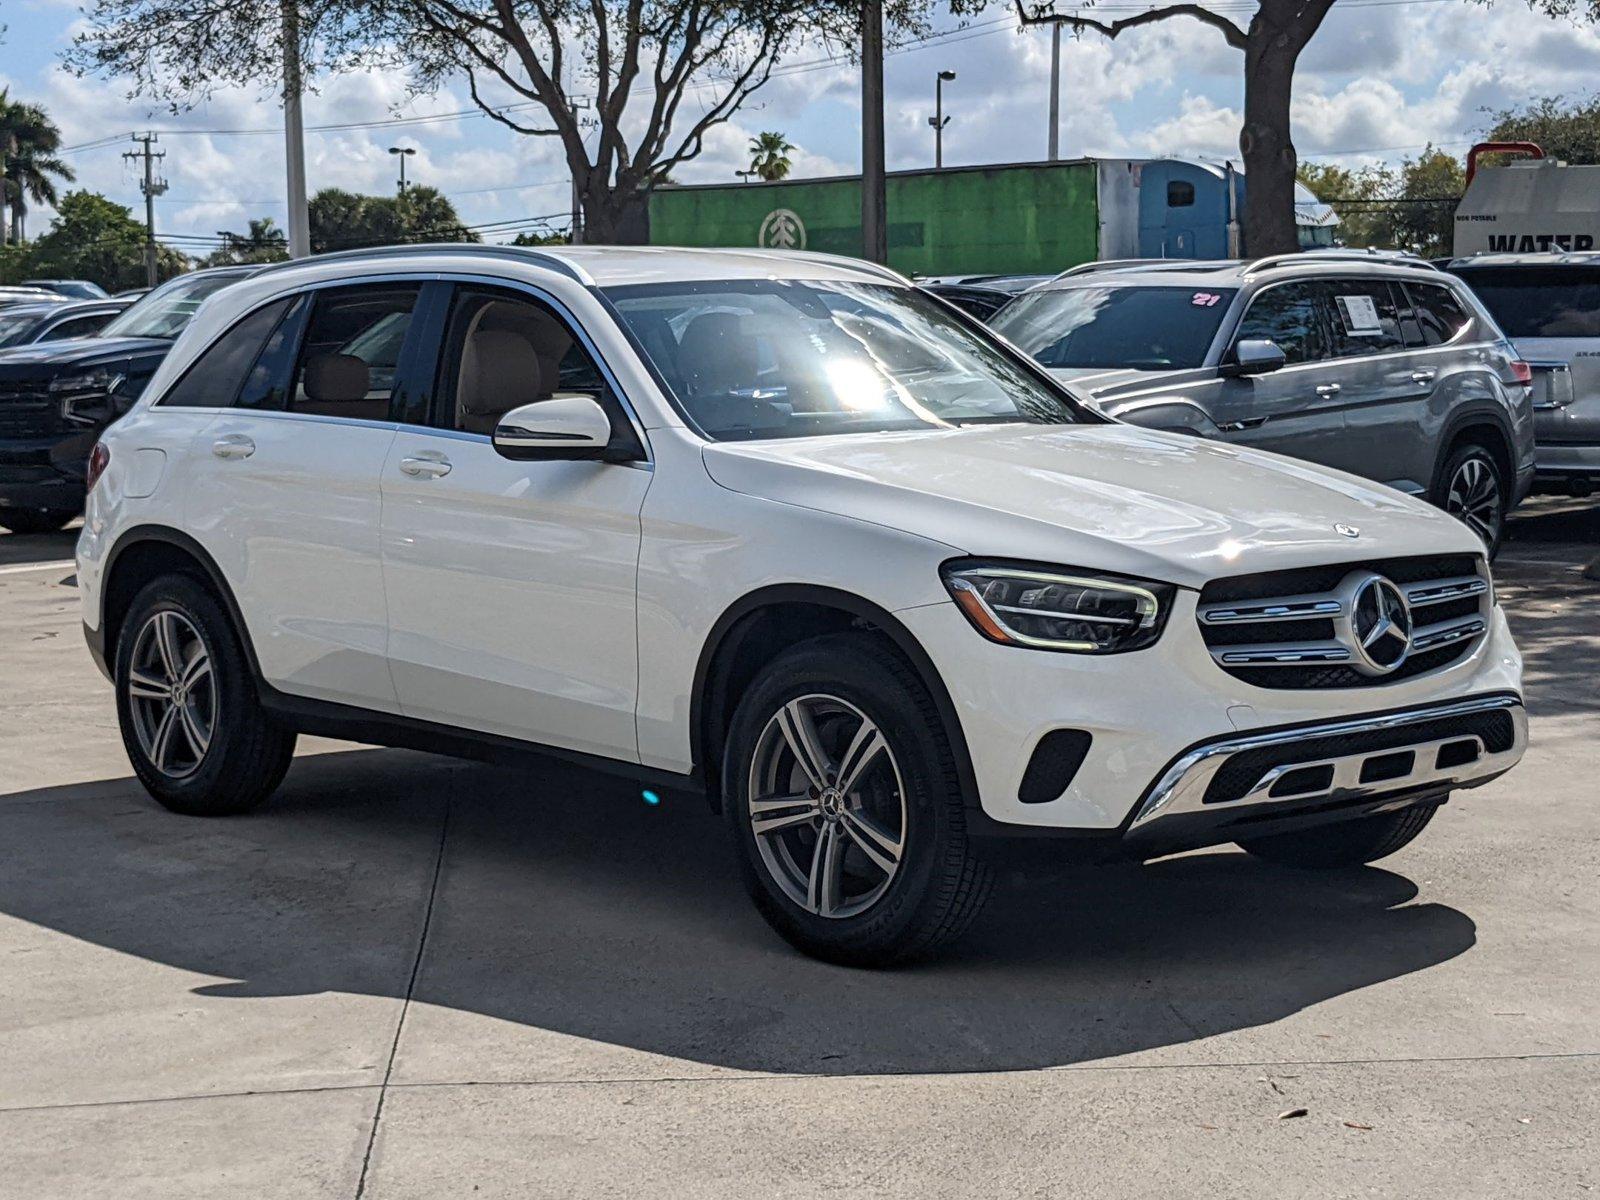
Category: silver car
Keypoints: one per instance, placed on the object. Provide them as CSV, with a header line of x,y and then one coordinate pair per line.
x,y
1381,366
1549,305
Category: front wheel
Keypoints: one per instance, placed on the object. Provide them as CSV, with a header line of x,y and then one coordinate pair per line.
x,y
841,794
186,701
1472,490
1347,844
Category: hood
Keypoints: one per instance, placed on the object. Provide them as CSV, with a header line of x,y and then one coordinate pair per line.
x,y
79,352
1108,497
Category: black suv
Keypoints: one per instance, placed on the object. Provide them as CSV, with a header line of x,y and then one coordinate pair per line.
x,y
56,397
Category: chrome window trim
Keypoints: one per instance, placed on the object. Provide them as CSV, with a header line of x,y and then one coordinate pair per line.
x,y
402,276
1181,787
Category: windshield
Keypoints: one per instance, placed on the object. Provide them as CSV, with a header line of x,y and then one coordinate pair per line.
x,y
1142,328
165,311
1551,302
774,358
16,326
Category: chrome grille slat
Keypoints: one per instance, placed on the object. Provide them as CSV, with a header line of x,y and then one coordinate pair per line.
x,y
1296,637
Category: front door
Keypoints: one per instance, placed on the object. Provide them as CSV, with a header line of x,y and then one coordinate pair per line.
x,y
1297,409
511,585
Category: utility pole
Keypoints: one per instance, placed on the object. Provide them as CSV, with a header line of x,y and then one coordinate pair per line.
x,y
5,209
874,209
939,120
294,137
151,187
1055,91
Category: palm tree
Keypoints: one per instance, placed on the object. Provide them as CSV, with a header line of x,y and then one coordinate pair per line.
x,y
29,141
769,156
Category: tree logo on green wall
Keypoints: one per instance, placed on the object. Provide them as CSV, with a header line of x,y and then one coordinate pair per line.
x,y
782,230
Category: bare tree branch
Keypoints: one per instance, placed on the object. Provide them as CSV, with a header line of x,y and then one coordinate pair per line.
x,y
1235,36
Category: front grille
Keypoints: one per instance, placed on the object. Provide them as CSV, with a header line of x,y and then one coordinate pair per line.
x,y
27,410
1244,770
1296,629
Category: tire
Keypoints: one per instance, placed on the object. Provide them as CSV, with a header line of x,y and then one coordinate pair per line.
x,y
906,877
1472,488
35,520
221,755
1348,844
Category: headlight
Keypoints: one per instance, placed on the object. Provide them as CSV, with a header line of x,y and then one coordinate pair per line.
x,y
1059,609
86,395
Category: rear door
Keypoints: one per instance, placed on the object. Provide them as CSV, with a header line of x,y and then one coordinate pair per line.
x,y
1297,409
285,487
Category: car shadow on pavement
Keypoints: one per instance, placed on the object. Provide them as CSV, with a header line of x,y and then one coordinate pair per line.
x,y
565,903
22,549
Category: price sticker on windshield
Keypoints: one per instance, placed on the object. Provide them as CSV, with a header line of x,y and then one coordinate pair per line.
x,y
1205,299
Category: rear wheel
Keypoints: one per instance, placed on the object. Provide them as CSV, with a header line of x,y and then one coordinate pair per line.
x,y
186,701
1348,844
841,795
35,520
1472,490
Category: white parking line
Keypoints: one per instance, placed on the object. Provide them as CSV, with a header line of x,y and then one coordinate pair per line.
x,y
20,568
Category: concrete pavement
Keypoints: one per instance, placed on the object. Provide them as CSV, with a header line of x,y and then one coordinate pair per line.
x,y
411,977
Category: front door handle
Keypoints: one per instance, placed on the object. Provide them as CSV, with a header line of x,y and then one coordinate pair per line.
x,y
1242,424
233,445
1327,389
1425,375
425,466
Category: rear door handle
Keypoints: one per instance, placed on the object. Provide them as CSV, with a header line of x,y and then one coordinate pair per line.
x,y
1327,389
1425,375
425,466
233,445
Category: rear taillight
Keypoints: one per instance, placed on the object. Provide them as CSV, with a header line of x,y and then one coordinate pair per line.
x,y
1521,371
99,460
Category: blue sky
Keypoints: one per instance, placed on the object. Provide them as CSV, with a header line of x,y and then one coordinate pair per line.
x,y
1382,78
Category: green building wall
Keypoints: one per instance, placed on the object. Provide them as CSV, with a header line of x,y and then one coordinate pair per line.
x,y
1003,219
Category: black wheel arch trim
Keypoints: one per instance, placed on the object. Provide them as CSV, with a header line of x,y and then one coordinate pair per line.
x,y
144,534
728,625
1460,422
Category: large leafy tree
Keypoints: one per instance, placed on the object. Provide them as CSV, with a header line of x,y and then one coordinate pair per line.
x,y
96,238
1409,207
1564,129
628,89
1272,42
29,140
343,220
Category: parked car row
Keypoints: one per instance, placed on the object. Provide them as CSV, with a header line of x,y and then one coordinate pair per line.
x,y
784,532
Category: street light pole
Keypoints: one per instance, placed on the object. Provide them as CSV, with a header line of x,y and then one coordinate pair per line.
x,y
403,153
939,120
874,209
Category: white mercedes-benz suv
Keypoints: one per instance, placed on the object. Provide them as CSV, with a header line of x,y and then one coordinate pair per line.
x,y
785,531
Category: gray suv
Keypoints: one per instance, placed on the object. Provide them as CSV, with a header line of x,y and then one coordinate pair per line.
x,y
1549,306
1381,366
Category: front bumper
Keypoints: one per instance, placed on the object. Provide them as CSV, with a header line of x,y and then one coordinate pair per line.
x,y
1237,787
1147,710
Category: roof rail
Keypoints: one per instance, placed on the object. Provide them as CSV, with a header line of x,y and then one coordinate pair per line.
x,y
1107,264
843,260
1338,254
520,253
1147,264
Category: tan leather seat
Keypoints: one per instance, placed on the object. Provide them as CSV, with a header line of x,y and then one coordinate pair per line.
x,y
336,385
500,370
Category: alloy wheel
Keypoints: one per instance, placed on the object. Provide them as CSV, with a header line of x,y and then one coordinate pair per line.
x,y
1474,498
172,693
827,806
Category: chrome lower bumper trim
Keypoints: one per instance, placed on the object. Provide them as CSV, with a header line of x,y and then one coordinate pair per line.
x,y
1182,788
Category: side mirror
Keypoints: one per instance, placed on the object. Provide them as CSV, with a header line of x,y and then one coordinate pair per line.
x,y
1255,356
562,427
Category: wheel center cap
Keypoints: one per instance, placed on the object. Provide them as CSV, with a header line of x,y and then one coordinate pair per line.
x,y
177,693
832,803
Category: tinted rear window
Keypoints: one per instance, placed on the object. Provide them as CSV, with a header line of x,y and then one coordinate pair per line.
x,y
1142,328
1552,302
